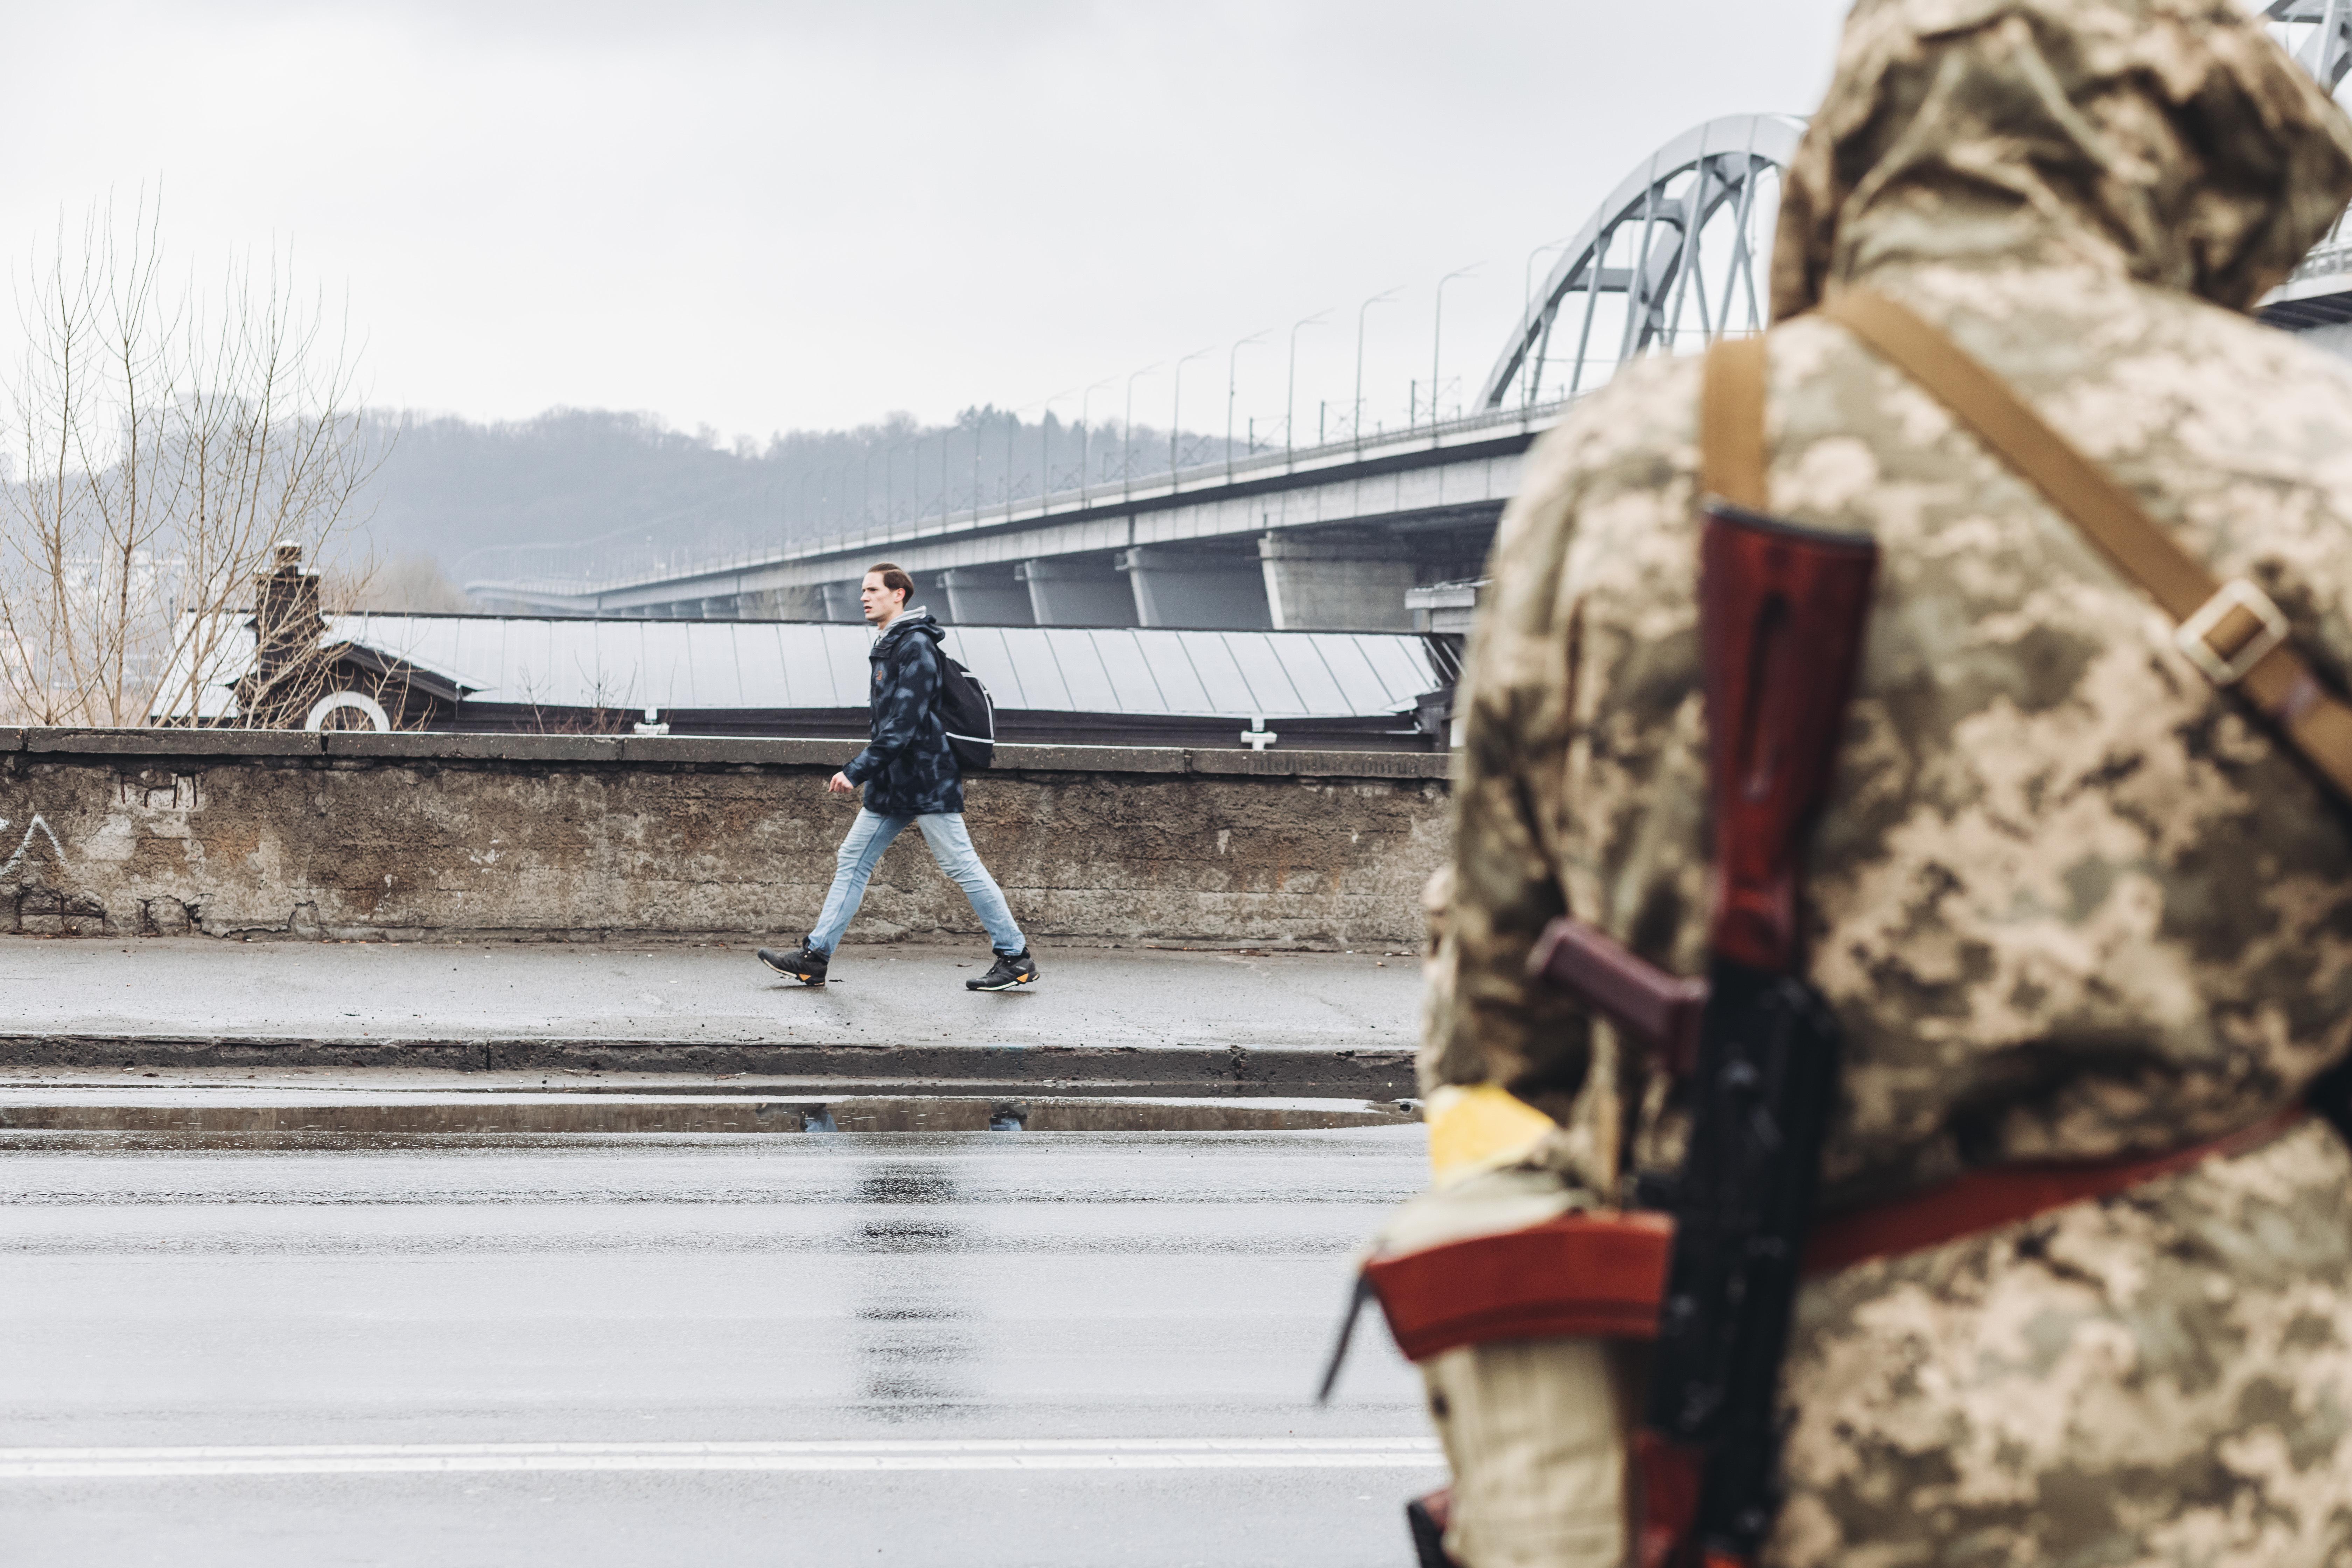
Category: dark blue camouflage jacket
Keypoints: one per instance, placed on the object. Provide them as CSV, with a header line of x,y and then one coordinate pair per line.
x,y
907,768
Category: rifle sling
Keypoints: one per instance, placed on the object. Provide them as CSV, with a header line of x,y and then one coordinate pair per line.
x,y
2231,631
1731,424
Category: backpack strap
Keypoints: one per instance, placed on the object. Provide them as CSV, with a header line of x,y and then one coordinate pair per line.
x,y
2231,631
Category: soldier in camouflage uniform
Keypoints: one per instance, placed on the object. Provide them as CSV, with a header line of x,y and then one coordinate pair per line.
x,y
2069,900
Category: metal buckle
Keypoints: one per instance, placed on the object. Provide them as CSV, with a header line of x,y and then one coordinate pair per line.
x,y
2237,594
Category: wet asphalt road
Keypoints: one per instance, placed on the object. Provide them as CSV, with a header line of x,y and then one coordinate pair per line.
x,y
961,1348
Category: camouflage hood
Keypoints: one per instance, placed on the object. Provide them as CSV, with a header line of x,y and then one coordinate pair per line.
x,y
2172,140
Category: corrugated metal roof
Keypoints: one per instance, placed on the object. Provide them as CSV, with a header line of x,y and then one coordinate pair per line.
x,y
628,664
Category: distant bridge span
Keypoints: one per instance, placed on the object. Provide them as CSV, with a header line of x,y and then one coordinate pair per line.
x,y
1190,550
1329,537
1336,537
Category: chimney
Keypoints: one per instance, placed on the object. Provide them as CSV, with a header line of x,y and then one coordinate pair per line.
x,y
285,621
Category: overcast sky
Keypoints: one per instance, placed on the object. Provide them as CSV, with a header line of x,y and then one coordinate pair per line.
x,y
763,217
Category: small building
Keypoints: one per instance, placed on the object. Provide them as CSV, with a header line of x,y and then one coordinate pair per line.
x,y
1055,684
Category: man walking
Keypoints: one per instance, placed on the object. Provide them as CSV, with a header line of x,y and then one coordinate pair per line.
x,y
909,775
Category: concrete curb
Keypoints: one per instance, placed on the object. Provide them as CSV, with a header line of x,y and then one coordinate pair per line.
x,y
1086,1071
211,1117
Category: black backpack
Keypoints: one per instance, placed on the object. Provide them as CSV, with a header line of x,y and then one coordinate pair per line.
x,y
968,714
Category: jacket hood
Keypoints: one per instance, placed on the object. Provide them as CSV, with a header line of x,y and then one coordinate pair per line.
x,y
2173,140
909,623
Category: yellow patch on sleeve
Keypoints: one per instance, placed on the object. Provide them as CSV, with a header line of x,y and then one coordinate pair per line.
x,y
1474,1127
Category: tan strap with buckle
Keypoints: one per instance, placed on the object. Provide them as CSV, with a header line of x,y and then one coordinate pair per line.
x,y
2231,631
1731,424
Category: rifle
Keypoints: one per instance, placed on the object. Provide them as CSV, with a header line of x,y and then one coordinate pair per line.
x,y
1781,613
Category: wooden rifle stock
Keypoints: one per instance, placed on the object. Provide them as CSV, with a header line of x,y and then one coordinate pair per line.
x,y
1782,611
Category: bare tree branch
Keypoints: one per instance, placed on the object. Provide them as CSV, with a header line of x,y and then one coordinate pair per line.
x,y
162,441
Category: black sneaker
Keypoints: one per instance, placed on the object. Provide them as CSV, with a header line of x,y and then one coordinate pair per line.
x,y
1018,970
806,965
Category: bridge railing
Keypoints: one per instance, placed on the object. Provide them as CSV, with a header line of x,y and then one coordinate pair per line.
x,y
589,566
2331,256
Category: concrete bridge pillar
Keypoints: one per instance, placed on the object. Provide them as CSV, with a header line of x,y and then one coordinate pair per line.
x,y
1447,607
1077,592
840,602
1338,585
1195,588
987,597
794,604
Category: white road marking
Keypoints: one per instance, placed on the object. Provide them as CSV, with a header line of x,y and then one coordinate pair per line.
x,y
852,1455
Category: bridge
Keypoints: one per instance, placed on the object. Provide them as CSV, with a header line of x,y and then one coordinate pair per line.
x,y
1329,537
1350,535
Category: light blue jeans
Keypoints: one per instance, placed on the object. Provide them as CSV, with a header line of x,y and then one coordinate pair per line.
x,y
951,846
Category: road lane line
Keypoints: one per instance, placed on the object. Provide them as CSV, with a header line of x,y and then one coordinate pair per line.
x,y
851,1455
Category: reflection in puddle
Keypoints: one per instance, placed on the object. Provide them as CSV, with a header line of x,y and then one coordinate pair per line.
x,y
909,1314
915,1360
881,1236
907,1183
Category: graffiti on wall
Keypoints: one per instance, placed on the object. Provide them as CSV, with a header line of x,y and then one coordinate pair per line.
x,y
16,862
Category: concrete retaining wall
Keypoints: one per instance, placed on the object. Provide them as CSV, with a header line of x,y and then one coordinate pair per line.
x,y
120,833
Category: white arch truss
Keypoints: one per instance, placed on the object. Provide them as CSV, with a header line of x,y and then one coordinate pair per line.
x,y
2317,33
1675,256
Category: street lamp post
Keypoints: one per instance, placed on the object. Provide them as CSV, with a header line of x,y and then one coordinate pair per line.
x,y
1437,336
1382,299
915,479
1290,387
1127,435
1011,433
889,478
1230,356
1045,454
947,500
1087,435
1530,369
1176,412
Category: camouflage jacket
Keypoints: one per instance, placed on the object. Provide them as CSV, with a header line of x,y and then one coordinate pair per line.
x,y
2068,899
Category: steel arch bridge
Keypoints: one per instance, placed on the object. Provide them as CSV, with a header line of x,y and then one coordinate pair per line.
x,y
1675,256
2317,33
1674,251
